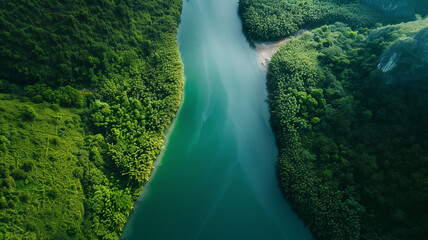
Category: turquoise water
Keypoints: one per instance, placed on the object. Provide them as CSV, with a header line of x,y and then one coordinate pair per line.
x,y
216,178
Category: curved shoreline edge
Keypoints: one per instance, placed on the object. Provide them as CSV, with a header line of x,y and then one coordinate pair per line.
x,y
265,50
168,131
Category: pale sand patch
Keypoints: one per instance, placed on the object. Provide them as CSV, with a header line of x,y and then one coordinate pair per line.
x,y
267,49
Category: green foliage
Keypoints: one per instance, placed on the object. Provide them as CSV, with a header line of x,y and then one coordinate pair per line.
x,y
352,148
270,20
40,197
28,113
116,66
315,120
65,96
39,93
62,43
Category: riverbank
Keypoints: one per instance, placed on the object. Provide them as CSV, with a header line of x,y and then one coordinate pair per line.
x,y
342,129
217,176
106,140
266,50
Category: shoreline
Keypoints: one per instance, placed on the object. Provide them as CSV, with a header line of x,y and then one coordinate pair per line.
x,y
265,50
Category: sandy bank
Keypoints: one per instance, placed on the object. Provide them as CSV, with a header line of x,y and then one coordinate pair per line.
x,y
267,49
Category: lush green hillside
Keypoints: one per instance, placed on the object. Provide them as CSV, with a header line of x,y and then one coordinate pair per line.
x,y
42,196
353,143
270,20
123,56
349,114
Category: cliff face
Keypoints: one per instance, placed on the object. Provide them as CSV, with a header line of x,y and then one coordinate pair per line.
x,y
348,109
405,9
406,60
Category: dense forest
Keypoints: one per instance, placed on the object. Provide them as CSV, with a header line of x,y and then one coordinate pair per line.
x,y
271,20
348,105
87,89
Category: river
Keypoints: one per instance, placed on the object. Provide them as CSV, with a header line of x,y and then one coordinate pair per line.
x,y
216,178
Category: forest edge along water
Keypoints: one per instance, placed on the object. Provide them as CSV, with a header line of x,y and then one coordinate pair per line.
x,y
216,178
267,49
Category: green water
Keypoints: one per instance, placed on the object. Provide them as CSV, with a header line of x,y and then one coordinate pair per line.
x,y
216,178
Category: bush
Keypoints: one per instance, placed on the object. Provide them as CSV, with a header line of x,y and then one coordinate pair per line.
x,y
4,143
19,174
28,113
39,92
28,166
4,171
9,182
3,202
69,97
